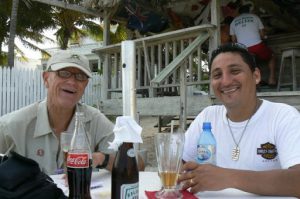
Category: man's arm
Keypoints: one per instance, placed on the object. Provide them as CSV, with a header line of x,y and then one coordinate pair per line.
x,y
233,38
99,159
281,182
262,34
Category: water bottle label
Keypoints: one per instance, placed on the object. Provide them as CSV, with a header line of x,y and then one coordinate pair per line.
x,y
130,153
206,154
130,191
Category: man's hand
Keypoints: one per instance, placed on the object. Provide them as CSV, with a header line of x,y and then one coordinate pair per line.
x,y
203,177
98,158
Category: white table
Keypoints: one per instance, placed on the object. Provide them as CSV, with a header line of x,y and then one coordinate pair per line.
x,y
150,181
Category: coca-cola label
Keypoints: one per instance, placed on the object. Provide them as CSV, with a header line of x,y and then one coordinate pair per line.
x,y
130,191
78,160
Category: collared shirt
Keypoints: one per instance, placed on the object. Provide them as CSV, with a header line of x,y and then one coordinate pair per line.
x,y
27,131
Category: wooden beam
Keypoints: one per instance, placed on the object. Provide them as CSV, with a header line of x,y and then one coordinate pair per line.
x,y
158,106
69,6
183,97
288,97
167,36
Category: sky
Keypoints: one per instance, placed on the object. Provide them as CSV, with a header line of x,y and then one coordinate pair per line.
x,y
32,54
47,44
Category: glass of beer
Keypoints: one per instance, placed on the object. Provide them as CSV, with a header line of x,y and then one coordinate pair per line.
x,y
65,141
169,149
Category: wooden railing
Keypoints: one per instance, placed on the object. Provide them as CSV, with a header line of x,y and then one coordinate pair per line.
x,y
159,59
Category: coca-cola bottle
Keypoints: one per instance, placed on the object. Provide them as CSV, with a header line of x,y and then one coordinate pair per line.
x,y
79,162
125,174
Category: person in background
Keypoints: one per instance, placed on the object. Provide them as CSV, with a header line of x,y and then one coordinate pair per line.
x,y
267,134
34,131
229,12
248,29
225,29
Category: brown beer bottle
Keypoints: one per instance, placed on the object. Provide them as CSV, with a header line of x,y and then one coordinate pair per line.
x,y
125,174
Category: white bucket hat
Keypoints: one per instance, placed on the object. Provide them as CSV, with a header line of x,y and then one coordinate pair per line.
x,y
67,59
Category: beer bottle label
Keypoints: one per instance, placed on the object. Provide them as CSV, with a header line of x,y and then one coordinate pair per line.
x,y
130,153
78,160
130,191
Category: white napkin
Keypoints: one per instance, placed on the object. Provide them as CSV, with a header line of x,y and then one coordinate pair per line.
x,y
126,130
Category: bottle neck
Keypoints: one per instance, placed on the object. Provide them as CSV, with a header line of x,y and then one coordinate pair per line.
x,y
79,122
80,138
79,125
127,144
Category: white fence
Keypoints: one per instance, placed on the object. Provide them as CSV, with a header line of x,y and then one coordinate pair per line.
x,y
21,87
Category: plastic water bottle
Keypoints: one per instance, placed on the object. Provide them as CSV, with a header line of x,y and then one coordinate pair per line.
x,y
206,147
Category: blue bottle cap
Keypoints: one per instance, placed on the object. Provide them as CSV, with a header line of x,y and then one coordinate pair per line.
x,y
206,125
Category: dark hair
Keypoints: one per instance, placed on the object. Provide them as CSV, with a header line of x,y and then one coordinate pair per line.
x,y
245,8
238,48
232,5
228,20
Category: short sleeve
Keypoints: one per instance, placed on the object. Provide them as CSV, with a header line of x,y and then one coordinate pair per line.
x,y
4,145
288,139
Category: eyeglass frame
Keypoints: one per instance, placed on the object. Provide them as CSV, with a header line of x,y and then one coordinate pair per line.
x,y
239,48
76,75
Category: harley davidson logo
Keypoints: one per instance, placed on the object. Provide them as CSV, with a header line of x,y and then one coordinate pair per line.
x,y
267,151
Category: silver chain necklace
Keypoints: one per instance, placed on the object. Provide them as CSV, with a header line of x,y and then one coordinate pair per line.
x,y
236,150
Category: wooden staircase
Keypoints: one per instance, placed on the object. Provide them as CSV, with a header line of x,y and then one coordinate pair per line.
x,y
169,64
166,64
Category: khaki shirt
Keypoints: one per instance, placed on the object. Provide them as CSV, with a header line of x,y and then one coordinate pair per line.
x,y
27,131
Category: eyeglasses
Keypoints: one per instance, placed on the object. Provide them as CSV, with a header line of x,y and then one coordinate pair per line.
x,y
67,74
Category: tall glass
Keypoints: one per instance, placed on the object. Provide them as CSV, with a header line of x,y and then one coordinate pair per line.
x,y
65,142
169,149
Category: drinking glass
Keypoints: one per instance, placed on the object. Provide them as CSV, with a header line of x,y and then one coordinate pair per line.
x,y
65,141
169,149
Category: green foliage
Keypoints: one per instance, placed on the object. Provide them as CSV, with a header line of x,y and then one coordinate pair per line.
x,y
32,19
69,25
95,31
3,59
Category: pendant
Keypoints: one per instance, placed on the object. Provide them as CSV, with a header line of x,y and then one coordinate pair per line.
x,y
235,153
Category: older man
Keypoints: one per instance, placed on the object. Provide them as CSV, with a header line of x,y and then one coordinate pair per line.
x,y
34,131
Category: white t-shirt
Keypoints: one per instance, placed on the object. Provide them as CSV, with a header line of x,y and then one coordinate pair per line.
x,y
271,139
246,29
